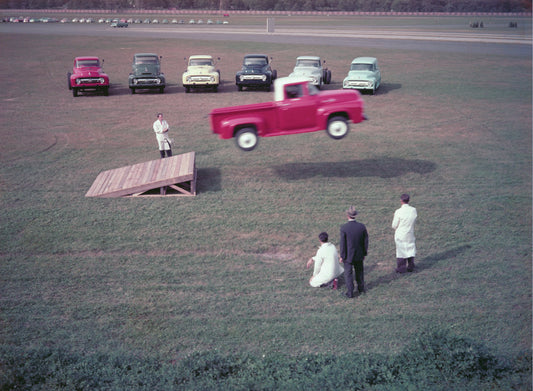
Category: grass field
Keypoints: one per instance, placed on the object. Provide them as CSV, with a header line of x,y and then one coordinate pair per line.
x,y
225,271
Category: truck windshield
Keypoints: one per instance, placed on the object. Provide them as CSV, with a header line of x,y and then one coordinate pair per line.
x,y
146,60
307,63
361,67
200,62
87,63
254,61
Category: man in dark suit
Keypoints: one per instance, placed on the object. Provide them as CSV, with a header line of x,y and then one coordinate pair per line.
x,y
353,249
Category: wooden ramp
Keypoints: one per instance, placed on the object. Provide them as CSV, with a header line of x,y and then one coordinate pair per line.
x,y
174,175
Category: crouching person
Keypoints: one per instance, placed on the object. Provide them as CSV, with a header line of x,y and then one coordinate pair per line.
x,y
327,267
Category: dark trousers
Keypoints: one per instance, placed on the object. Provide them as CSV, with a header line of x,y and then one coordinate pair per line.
x,y
349,269
405,264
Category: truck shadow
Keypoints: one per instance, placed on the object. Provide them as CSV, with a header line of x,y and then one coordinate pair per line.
x,y
383,89
384,167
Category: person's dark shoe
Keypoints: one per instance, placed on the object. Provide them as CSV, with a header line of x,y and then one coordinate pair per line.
x,y
348,295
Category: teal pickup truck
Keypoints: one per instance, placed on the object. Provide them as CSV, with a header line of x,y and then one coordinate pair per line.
x,y
146,73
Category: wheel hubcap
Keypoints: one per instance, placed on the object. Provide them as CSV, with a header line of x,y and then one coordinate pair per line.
x,y
338,128
247,140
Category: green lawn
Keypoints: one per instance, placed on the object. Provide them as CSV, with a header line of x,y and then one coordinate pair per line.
x,y
225,271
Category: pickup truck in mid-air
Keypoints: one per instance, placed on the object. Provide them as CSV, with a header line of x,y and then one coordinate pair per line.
x,y
298,107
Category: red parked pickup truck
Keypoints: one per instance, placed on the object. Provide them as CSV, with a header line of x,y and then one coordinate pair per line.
x,y
87,75
298,107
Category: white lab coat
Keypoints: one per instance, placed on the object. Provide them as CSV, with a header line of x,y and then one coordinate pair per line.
x,y
404,236
161,133
327,266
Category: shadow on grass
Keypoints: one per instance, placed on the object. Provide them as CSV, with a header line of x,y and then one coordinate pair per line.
x,y
385,167
385,88
208,179
420,265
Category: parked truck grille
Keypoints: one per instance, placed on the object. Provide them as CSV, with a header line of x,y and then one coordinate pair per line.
x,y
147,81
359,83
90,80
201,78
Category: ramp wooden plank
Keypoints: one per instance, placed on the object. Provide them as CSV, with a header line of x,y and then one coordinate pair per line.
x,y
178,171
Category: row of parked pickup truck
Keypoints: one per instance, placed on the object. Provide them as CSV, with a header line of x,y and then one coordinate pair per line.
x,y
298,107
256,72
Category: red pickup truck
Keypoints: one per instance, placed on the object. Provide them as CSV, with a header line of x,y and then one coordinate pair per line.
x,y
87,75
298,107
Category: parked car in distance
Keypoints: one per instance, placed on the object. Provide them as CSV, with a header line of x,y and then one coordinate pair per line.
x,y
364,75
201,73
312,67
146,73
298,107
119,24
87,75
255,72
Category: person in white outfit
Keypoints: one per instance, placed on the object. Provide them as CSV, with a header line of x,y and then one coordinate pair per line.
x,y
327,267
161,133
404,235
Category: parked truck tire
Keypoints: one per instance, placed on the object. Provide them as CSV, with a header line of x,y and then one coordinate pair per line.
x,y
68,81
338,127
246,139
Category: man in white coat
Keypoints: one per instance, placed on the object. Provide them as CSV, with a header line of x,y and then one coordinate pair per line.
x,y
161,132
327,267
404,235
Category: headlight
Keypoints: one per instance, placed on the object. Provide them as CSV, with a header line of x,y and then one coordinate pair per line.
x,y
241,77
101,80
78,81
135,81
157,81
188,78
263,77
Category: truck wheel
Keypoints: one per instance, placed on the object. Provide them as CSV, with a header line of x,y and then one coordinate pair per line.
x,y
246,139
187,89
161,90
74,92
68,81
274,74
239,87
106,91
337,127
132,90
328,77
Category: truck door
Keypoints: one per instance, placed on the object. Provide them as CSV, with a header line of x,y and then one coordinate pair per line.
x,y
296,110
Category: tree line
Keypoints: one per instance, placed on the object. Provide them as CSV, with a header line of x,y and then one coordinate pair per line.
x,y
283,5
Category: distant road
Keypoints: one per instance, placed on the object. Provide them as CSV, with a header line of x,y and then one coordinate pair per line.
x,y
507,44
